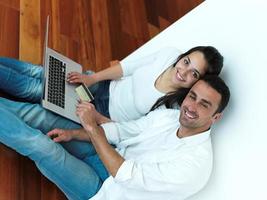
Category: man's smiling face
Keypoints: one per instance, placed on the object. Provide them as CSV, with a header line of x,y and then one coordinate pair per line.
x,y
198,110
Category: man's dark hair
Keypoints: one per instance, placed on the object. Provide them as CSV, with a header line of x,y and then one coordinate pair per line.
x,y
175,99
219,85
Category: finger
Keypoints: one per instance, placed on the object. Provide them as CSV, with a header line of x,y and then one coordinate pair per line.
x,y
82,106
74,80
73,73
54,136
53,132
60,138
86,104
80,112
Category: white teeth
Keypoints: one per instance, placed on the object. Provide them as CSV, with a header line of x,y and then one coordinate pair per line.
x,y
189,116
179,76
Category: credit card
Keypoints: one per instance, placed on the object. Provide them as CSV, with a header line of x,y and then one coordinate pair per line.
x,y
84,93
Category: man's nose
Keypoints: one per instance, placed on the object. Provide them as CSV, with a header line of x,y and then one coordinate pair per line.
x,y
192,107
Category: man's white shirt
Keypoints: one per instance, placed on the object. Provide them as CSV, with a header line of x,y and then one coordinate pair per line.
x,y
158,165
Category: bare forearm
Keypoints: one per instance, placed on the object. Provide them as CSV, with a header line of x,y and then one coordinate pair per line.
x,y
109,156
100,119
111,73
80,134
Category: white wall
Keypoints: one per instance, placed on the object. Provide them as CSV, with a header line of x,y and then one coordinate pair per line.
x,y
239,30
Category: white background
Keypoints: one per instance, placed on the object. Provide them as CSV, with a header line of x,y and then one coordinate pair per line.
x,y
238,29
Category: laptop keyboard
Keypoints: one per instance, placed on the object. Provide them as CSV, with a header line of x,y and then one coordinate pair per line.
x,y
56,82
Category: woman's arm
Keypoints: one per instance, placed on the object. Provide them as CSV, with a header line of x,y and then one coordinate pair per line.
x,y
111,73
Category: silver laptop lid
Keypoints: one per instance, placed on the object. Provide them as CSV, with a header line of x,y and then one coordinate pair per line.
x,y
44,57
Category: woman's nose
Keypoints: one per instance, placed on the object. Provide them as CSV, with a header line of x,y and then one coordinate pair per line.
x,y
183,72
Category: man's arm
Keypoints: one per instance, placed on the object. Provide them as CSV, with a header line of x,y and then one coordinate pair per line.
x,y
109,156
101,119
62,135
116,132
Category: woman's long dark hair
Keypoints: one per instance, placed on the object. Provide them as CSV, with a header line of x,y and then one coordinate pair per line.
x,y
215,63
171,99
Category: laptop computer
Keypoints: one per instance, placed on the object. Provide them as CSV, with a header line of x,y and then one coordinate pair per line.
x,y
58,95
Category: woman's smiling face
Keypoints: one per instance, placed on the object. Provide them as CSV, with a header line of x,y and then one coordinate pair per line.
x,y
189,69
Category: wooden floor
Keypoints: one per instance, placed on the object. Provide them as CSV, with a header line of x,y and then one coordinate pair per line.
x,y
93,33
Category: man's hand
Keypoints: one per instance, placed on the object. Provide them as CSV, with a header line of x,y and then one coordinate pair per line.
x,y
60,135
109,156
87,114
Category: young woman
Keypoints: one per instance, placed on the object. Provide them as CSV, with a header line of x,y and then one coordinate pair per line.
x,y
127,90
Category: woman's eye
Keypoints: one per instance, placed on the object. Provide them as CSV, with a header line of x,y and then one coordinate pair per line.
x,y
195,75
186,61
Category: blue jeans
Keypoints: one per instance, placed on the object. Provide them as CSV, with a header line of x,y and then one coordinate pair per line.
x,y
78,172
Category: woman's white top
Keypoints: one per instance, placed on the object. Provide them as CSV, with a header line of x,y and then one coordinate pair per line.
x,y
134,94
158,165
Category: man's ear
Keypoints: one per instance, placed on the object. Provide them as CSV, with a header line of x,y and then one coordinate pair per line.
x,y
216,117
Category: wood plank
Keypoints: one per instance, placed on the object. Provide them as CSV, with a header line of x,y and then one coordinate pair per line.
x,y
133,18
14,4
66,14
114,22
9,174
163,23
30,37
153,30
49,191
29,180
101,32
184,8
55,25
9,159
151,12
84,27
9,34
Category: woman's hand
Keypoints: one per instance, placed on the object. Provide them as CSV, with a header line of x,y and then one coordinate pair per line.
x,y
76,77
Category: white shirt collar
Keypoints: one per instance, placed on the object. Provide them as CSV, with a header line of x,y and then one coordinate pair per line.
x,y
197,139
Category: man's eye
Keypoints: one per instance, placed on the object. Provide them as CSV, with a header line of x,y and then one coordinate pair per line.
x,y
204,105
192,97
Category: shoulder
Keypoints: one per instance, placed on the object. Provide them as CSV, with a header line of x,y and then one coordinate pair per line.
x,y
163,112
195,167
170,51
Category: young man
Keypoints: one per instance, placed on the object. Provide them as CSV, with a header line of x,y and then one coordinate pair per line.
x,y
157,156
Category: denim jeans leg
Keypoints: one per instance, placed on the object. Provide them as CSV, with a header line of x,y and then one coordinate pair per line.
x,y
19,85
35,116
98,166
75,178
25,68
101,98
100,91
